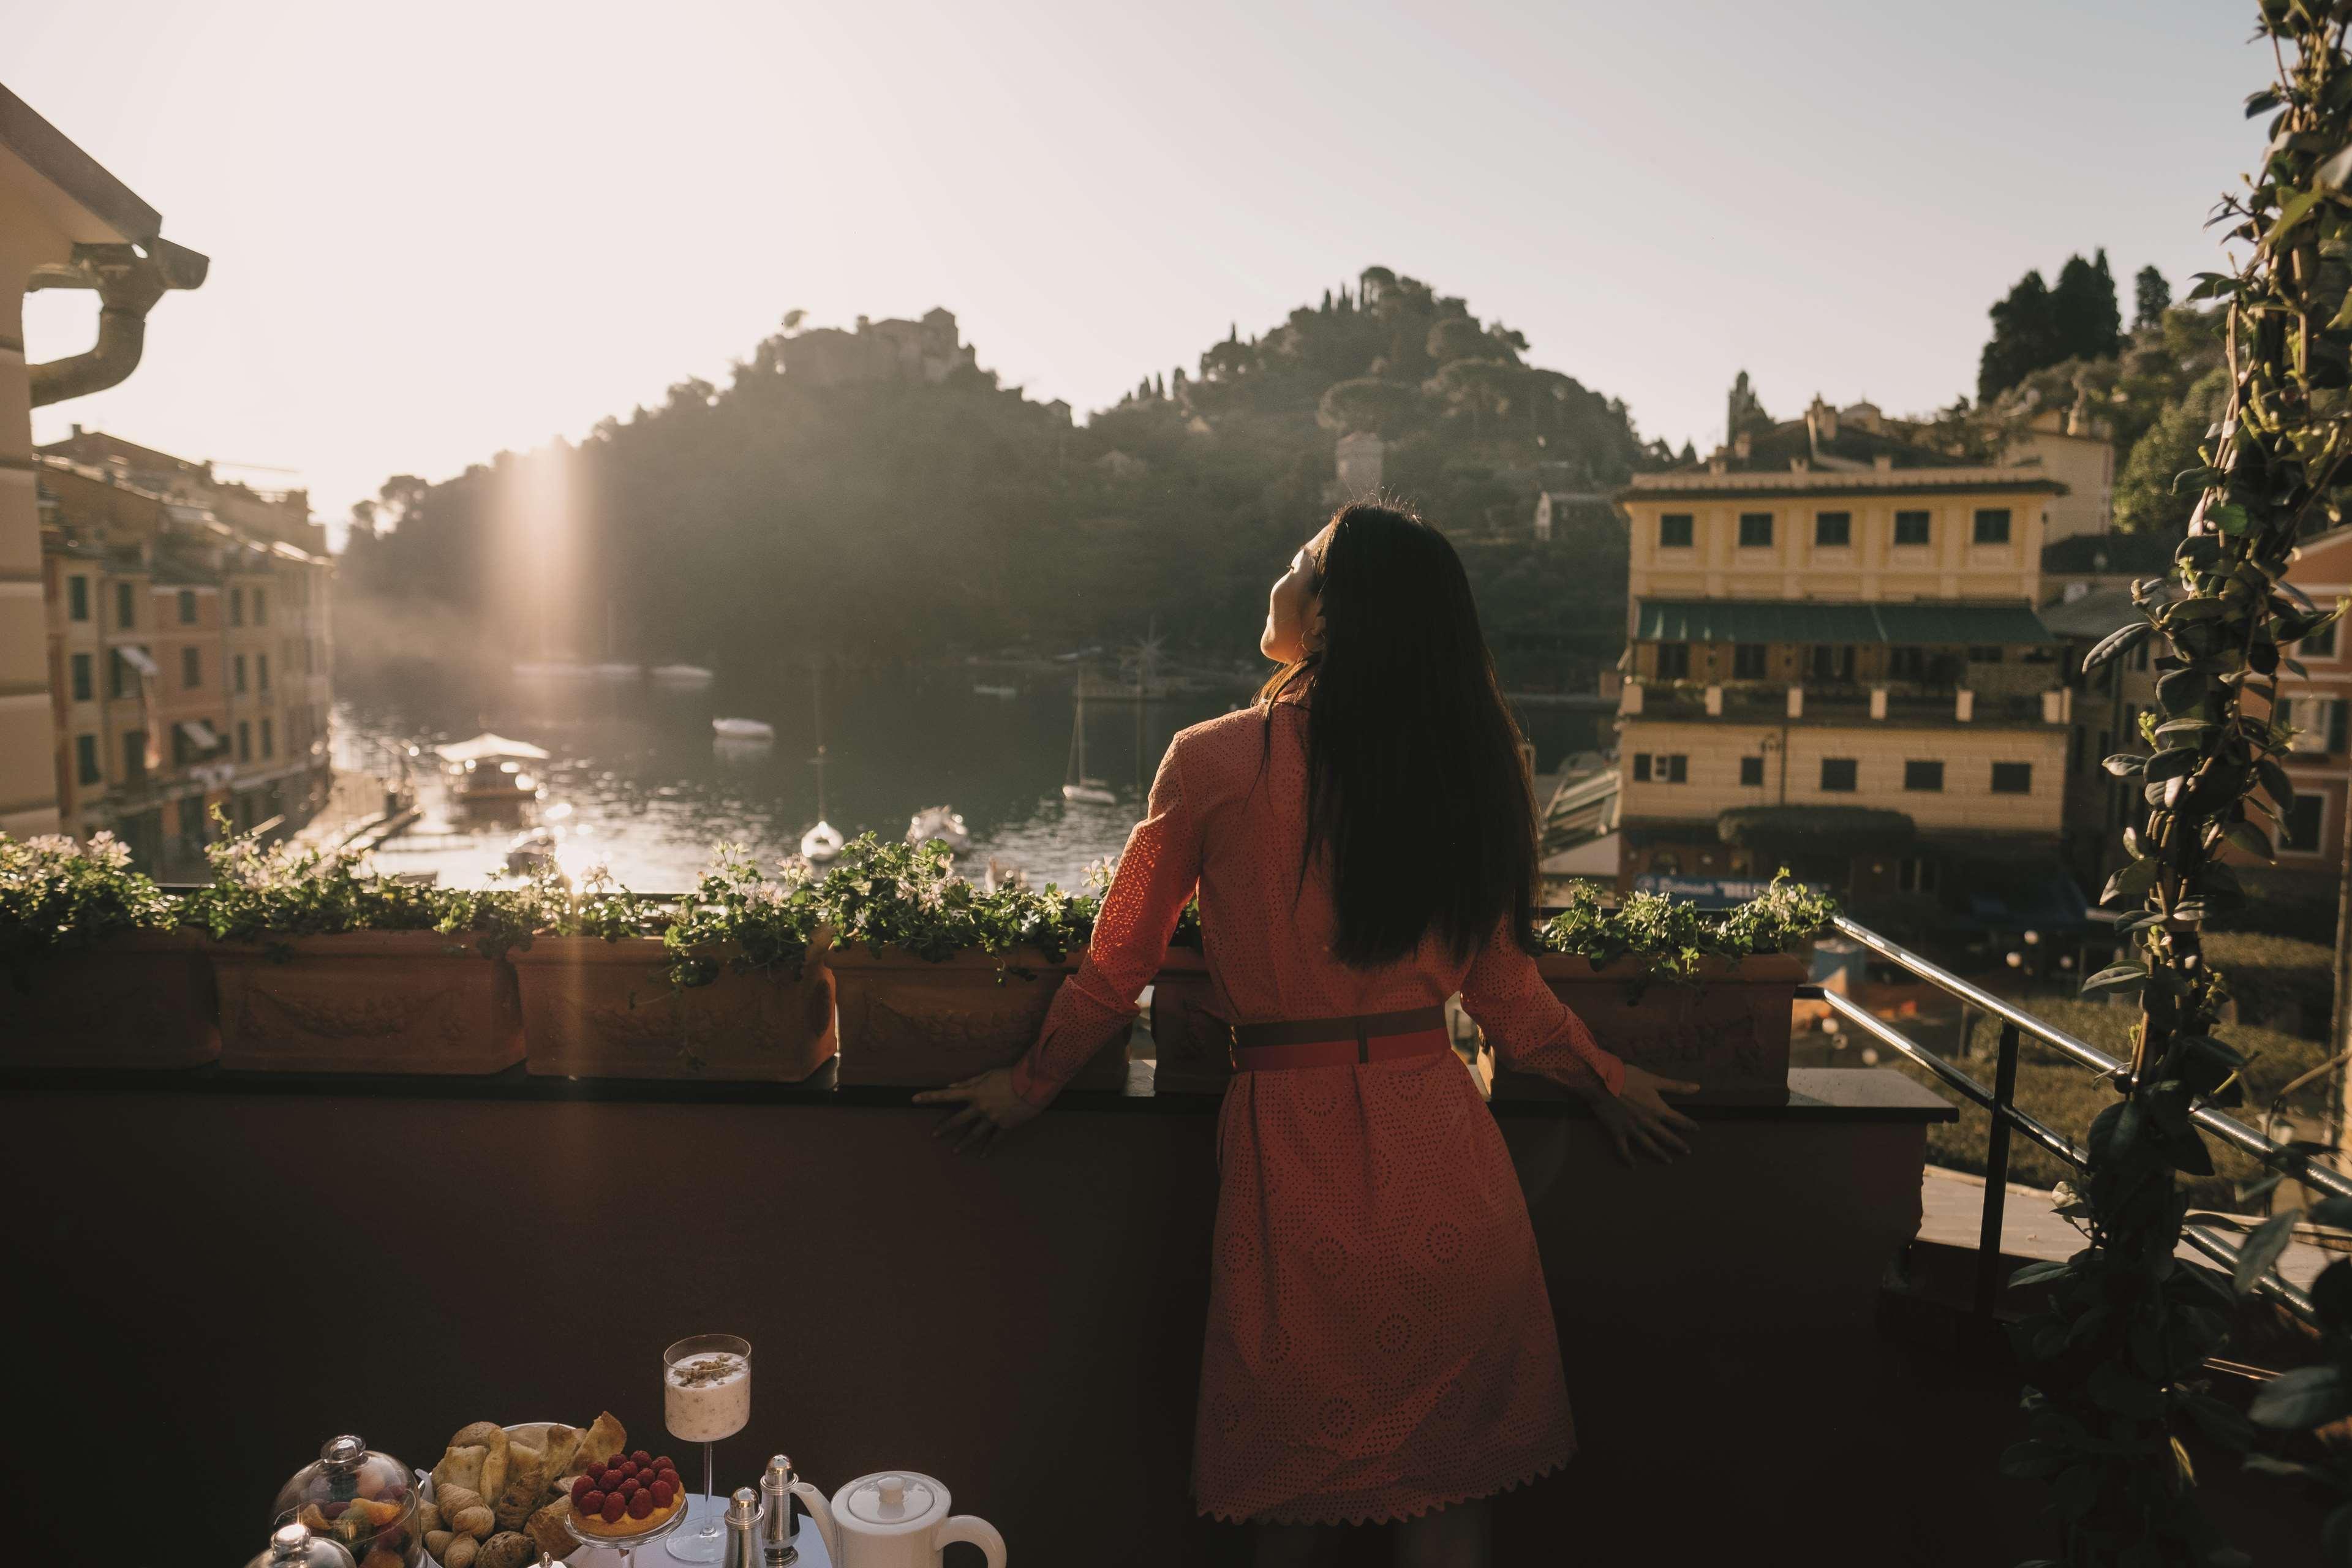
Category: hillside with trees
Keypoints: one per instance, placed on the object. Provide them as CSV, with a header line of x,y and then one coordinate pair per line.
x,y
905,516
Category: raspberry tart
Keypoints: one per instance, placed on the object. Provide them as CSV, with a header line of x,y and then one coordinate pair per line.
x,y
627,1495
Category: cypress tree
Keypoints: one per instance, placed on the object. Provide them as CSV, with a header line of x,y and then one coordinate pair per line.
x,y
2152,298
2089,326
2024,338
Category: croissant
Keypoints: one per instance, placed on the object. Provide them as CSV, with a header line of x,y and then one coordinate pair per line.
x,y
459,1468
526,1485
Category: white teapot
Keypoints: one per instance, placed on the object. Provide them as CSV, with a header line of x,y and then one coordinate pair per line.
x,y
894,1518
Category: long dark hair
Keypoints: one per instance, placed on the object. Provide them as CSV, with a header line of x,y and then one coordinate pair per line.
x,y
1416,793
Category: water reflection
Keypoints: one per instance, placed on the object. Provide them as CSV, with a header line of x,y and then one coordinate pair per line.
x,y
637,782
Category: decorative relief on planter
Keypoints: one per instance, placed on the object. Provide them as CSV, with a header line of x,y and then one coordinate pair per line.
x,y
594,1008
1727,1029
908,1021
390,1002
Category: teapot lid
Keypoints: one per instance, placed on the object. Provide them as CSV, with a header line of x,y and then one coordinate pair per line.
x,y
890,1501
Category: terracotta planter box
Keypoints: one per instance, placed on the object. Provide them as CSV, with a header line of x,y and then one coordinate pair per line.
x,y
139,999
592,1009
1728,1032
370,1001
908,1021
1195,1050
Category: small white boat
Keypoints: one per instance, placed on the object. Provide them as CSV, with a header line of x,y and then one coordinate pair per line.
x,y
533,851
550,670
620,672
742,729
821,843
942,823
682,675
996,691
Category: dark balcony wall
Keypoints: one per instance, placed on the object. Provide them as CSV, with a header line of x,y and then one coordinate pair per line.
x,y
228,1278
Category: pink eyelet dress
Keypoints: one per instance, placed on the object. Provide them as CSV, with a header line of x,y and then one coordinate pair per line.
x,y
1379,1342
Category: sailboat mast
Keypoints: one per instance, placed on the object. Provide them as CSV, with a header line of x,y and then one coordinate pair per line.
x,y
1078,737
816,697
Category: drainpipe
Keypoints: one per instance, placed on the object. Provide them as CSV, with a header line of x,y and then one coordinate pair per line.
x,y
128,278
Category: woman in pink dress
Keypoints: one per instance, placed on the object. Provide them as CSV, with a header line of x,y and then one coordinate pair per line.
x,y
1380,1346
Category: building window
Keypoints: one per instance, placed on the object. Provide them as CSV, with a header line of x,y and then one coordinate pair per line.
x,y
1984,653
260,607
267,749
121,678
78,599
2303,824
1673,661
1832,529
1641,767
192,667
1923,777
1992,525
1751,771
1748,662
1675,530
2013,778
2318,723
1663,767
1911,528
262,660
2320,644
125,604
1756,530
134,755
237,607
86,759
84,683
187,607
244,741
237,667
1838,774
1832,662
1918,876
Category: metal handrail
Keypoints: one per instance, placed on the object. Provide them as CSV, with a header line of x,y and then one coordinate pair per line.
x,y
2004,1114
2287,1161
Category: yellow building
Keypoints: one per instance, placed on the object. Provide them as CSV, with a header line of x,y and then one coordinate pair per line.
x,y
64,222
1835,665
189,655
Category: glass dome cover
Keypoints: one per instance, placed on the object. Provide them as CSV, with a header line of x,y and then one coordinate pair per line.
x,y
293,1546
362,1501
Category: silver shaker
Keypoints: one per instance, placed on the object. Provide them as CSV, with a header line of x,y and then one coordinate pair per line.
x,y
743,1531
780,1524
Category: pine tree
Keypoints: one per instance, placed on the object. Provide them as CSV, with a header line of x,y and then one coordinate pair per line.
x,y
2153,297
2083,307
1326,302
2024,338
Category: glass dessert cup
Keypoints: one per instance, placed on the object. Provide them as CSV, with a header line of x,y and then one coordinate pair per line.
x,y
626,1545
706,1395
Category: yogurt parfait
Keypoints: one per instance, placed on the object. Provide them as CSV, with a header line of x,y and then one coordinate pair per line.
x,y
706,1396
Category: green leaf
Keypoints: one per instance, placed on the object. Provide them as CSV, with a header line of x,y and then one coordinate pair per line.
x,y
2125,763
2262,102
2230,519
2260,1250
2036,1273
2291,213
2251,840
2130,881
2113,1386
2116,977
2074,1490
2119,641
2299,1400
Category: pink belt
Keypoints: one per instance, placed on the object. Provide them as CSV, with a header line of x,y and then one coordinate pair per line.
x,y
1336,1042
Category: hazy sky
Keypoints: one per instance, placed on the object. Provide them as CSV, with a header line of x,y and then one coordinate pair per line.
x,y
438,229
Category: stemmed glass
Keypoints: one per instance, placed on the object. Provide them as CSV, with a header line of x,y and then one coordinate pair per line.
x,y
706,1395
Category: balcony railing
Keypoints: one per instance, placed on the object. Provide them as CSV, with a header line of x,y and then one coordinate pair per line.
x,y
2005,1116
1843,701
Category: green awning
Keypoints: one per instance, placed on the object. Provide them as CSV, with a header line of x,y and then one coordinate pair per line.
x,y
1859,827
1927,621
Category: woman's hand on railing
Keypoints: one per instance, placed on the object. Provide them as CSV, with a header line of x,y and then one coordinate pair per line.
x,y
991,1109
1637,1118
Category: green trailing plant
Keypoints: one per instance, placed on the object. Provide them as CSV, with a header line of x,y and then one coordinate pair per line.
x,y
2113,1362
908,897
1673,937
270,893
2317,1398
56,894
768,922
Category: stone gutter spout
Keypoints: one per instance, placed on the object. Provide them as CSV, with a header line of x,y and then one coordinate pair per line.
x,y
128,278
